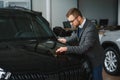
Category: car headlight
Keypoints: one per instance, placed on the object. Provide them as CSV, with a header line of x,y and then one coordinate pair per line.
x,y
101,34
118,40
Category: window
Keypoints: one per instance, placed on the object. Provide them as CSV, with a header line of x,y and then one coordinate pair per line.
x,y
21,3
7,28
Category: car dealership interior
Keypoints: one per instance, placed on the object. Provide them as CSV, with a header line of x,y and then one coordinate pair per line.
x,y
51,15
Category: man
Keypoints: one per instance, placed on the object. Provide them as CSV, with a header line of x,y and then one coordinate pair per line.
x,y
84,41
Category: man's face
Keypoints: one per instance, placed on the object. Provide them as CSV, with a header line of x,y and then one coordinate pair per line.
x,y
74,21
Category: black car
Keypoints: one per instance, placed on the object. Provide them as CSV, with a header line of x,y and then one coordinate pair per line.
x,y
27,50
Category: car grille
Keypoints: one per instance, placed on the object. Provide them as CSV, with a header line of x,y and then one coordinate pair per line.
x,y
81,72
27,77
75,74
67,75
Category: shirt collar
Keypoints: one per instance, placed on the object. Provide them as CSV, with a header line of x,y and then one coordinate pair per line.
x,y
84,20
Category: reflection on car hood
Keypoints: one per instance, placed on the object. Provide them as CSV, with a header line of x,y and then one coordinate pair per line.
x,y
22,58
16,58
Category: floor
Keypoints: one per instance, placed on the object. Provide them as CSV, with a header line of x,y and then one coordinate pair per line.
x,y
109,77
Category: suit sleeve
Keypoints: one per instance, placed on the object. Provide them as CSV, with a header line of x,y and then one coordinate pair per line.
x,y
88,39
72,40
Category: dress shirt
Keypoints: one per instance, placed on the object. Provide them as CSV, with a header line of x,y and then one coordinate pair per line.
x,y
80,27
84,20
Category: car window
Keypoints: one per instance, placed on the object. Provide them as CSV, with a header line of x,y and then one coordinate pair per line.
x,y
33,25
23,25
7,28
40,27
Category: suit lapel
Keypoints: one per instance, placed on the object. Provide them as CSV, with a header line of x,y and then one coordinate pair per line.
x,y
83,29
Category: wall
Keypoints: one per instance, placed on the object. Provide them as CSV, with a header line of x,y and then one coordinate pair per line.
x,y
119,12
39,5
54,10
99,9
59,10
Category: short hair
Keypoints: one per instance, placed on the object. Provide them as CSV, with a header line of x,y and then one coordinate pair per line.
x,y
75,12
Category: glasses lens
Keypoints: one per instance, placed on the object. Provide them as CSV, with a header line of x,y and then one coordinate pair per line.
x,y
72,20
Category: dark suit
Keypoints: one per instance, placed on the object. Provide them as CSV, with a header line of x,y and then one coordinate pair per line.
x,y
87,43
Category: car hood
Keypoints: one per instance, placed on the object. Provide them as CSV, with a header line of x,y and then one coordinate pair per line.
x,y
15,58
111,36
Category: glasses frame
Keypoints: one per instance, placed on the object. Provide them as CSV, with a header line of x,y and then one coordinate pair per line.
x,y
73,20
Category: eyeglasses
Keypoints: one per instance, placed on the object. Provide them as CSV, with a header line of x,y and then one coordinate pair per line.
x,y
72,20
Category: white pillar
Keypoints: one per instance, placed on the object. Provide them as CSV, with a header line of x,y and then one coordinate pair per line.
x,y
49,11
118,12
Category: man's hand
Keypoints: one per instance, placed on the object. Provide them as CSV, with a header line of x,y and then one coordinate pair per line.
x,y
62,40
61,50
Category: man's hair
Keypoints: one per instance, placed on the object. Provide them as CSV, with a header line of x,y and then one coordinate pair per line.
x,y
75,12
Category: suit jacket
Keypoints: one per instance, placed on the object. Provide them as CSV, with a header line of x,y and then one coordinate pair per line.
x,y
87,43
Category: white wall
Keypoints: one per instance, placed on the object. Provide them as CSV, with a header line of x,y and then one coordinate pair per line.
x,y
39,5
59,10
54,10
118,12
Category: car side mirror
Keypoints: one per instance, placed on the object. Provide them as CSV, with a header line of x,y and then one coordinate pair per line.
x,y
50,44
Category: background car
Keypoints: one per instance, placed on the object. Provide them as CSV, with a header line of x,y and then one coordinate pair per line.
x,y
110,41
27,50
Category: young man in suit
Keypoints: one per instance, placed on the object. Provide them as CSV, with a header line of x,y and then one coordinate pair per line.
x,y
84,41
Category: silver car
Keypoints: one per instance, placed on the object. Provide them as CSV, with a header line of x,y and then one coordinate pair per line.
x,y
110,41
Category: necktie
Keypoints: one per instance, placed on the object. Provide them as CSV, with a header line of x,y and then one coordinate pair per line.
x,y
78,32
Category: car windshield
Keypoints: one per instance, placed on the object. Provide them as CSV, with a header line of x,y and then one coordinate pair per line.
x,y
23,25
